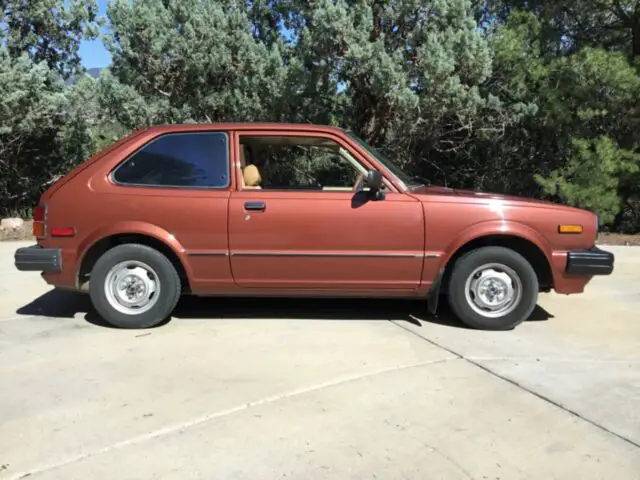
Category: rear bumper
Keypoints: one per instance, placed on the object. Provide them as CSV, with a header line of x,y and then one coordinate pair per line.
x,y
590,262
35,258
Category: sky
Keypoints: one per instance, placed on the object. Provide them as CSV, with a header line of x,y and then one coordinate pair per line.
x,y
93,53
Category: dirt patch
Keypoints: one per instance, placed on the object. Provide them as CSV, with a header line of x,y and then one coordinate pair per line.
x,y
618,239
22,233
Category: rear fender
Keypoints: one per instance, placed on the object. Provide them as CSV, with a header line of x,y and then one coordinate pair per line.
x,y
134,228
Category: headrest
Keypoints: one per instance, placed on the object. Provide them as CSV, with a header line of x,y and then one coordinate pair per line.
x,y
251,176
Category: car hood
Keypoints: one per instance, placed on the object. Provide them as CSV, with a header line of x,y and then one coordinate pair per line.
x,y
472,194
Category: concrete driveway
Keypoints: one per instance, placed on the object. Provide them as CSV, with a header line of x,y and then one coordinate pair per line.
x,y
248,389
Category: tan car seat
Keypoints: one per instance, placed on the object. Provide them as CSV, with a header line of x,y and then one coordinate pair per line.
x,y
250,177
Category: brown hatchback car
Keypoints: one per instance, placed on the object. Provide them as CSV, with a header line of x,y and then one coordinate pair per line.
x,y
295,210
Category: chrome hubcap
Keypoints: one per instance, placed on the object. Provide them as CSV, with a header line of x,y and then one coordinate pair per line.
x,y
493,290
132,287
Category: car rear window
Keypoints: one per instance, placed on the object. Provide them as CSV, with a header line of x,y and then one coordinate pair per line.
x,y
188,160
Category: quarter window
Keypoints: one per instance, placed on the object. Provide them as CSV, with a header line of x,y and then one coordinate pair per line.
x,y
188,160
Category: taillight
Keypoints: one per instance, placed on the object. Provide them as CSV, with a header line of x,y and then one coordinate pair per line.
x,y
39,229
39,213
62,232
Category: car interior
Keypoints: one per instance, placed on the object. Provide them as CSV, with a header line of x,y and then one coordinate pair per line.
x,y
297,163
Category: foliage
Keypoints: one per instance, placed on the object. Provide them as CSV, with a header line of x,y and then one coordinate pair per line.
x,y
188,60
410,72
48,31
579,144
535,97
592,176
43,130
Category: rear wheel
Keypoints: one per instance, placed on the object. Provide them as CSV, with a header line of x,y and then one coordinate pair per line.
x,y
493,288
134,286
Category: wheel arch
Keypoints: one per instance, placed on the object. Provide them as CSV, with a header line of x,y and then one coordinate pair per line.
x,y
525,247
93,249
517,237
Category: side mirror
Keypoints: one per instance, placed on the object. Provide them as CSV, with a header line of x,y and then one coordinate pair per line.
x,y
374,180
375,184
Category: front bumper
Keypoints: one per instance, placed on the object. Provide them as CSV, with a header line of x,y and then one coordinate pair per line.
x,y
38,259
590,262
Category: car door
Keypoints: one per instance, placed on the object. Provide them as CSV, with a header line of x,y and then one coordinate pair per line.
x,y
313,237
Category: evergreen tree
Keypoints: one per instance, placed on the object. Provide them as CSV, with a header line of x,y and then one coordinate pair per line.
x,y
188,60
42,130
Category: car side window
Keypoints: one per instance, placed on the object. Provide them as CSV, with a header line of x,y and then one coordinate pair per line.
x,y
301,163
307,167
187,160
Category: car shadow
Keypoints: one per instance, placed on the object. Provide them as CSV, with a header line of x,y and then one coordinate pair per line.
x,y
64,304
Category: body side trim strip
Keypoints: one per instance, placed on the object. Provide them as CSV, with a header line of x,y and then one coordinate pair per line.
x,y
207,253
272,253
254,253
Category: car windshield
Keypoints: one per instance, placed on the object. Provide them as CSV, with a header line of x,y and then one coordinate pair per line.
x,y
391,167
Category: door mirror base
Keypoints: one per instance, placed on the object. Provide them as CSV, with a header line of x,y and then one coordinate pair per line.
x,y
375,195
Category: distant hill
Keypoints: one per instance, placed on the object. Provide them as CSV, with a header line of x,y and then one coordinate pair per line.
x,y
93,72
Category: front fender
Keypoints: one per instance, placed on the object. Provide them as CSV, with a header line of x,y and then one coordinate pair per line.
x,y
476,232
491,228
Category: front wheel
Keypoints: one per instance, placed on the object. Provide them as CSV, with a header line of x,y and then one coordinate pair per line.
x,y
134,286
493,288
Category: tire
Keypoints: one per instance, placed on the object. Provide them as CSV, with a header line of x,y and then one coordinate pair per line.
x,y
503,266
152,282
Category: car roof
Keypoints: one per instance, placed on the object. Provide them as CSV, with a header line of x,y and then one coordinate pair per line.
x,y
273,126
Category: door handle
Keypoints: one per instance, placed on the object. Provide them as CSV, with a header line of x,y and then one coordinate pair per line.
x,y
255,206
